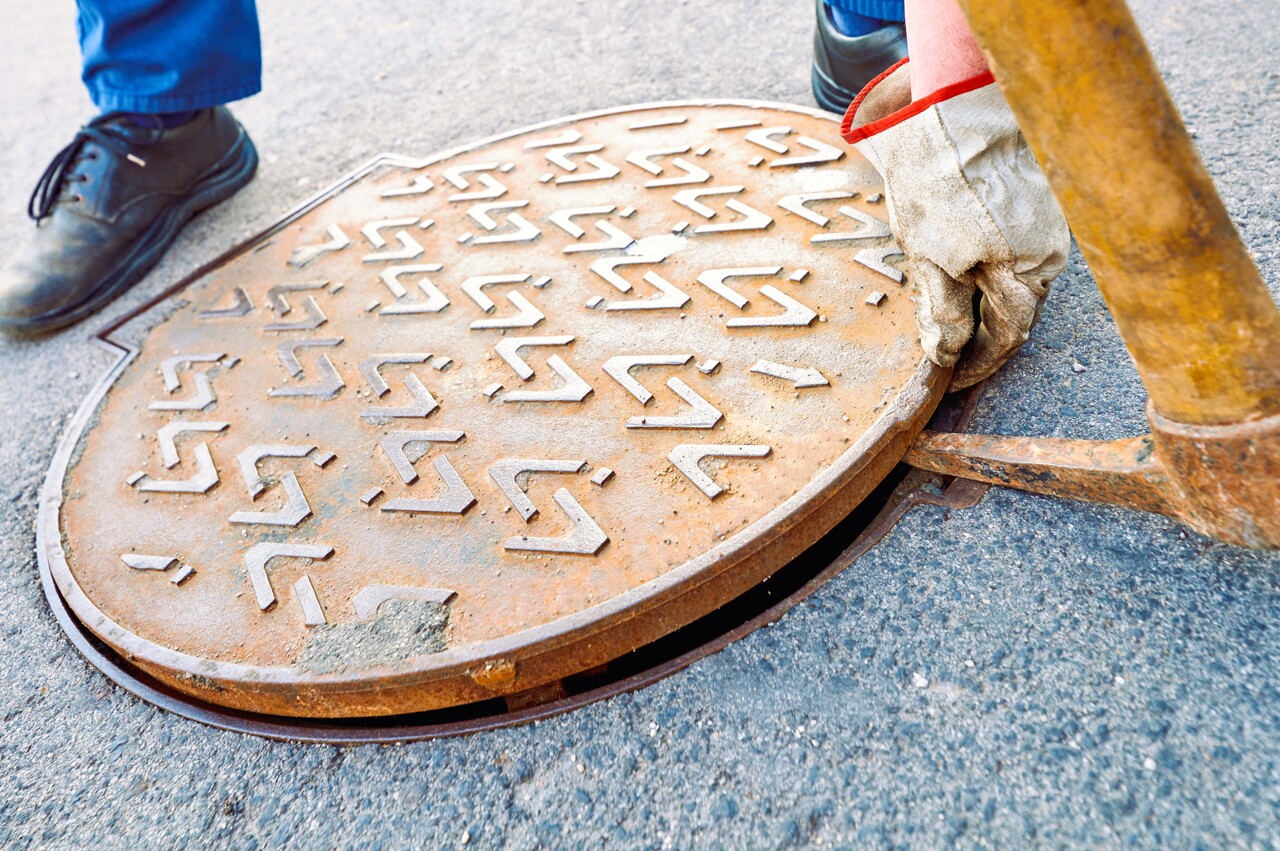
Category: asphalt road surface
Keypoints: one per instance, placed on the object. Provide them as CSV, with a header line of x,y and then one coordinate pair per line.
x,y
1027,672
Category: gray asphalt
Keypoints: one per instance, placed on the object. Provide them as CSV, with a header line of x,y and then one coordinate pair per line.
x,y
1024,673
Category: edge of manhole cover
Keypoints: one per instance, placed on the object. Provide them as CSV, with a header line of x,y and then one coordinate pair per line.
x,y
869,530
597,634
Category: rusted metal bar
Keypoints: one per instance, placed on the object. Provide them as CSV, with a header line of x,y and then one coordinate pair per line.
x,y
1184,292
1222,481
1116,472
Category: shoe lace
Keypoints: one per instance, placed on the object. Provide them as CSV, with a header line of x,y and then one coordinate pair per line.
x,y
105,131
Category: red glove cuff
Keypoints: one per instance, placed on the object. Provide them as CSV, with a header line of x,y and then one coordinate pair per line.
x,y
853,134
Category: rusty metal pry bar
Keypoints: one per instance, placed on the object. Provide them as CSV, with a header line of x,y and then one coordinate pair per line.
x,y
1187,298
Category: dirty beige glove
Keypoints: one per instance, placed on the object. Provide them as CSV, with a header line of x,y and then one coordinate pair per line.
x,y
970,208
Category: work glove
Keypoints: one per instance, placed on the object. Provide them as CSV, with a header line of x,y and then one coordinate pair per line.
x,y
970,209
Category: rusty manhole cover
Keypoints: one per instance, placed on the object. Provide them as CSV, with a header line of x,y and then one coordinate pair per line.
x,y
465,426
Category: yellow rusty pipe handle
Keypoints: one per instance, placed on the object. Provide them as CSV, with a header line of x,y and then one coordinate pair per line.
x,y
1185,294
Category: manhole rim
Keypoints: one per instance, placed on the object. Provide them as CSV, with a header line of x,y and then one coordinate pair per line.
x,y
830,493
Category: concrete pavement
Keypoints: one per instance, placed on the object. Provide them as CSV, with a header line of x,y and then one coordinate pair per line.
x,y
1027,672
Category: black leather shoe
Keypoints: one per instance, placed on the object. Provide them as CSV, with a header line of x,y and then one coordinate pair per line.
x,y
108,207
843,65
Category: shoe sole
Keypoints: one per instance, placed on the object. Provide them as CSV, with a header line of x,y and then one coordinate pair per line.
x,y
829,94
229,176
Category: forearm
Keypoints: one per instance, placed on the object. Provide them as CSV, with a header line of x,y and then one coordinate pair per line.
x,y
943,49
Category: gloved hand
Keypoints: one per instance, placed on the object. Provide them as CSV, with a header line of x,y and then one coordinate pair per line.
x,y
970,208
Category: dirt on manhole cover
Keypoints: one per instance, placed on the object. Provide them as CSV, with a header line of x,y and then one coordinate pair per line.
x,y
472,424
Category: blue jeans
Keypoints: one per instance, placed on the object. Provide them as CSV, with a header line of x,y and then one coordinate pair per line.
x,y
884,10
179,55
169,55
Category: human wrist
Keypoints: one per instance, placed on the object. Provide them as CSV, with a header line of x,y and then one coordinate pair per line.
x,y
944,51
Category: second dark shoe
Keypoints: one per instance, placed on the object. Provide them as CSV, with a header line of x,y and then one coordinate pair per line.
x,y
108,207
843,65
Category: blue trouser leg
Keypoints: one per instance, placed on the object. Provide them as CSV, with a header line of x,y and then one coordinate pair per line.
x,y
859,17
882,10
169,55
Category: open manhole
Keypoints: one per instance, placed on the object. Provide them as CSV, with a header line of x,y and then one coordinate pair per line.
x,y
468,440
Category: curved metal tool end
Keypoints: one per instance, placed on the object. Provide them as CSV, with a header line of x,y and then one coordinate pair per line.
x,y
1222,481
1114,472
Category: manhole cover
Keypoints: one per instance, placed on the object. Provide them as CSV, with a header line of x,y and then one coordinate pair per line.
x,y
466,426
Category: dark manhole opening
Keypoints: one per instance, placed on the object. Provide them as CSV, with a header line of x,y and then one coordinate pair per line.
x,y
762,605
